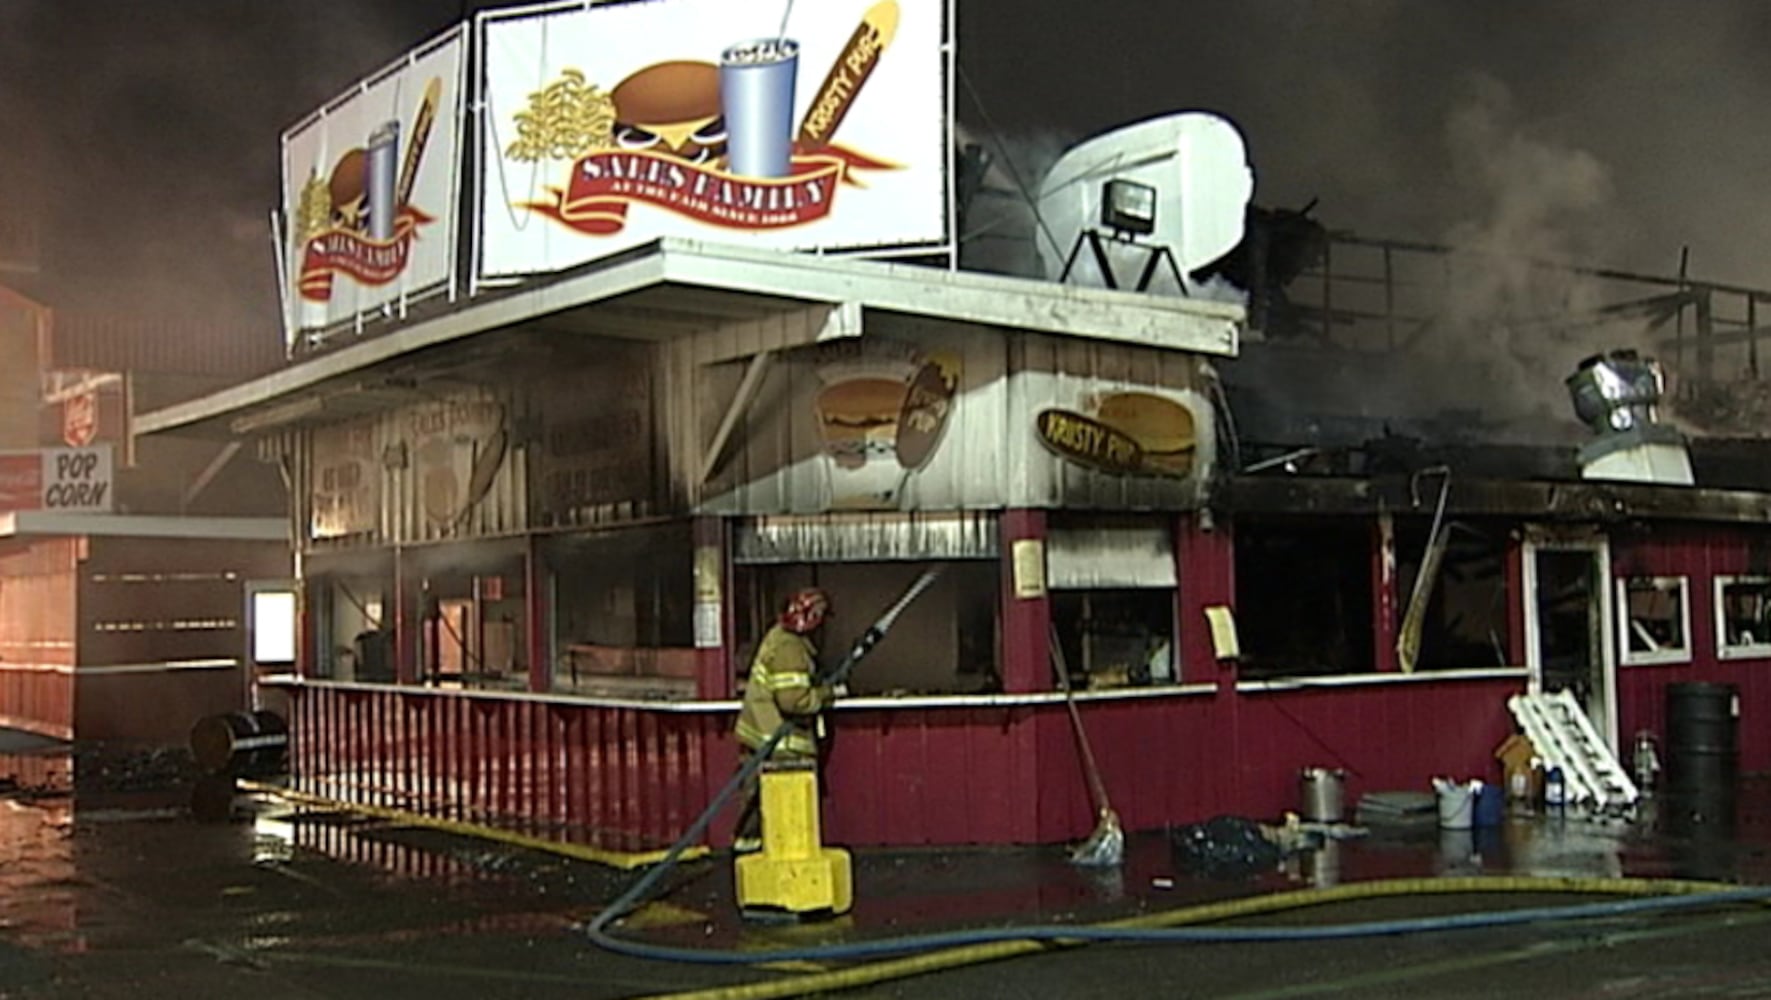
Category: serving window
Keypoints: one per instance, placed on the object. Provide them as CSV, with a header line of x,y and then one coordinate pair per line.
x,y
1743,617
1655,619
623,611
1463,624
1303,596
350,596
472,615
1112,580
945,642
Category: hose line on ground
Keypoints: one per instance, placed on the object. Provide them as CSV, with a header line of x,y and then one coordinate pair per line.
x,y
944,950
952,950
597,929
937,952
963,947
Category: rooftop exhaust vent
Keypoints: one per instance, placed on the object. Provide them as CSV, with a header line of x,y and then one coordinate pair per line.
x,y
1616,392
1616,395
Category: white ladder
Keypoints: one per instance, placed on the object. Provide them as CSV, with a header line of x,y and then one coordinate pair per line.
x,y
1564,737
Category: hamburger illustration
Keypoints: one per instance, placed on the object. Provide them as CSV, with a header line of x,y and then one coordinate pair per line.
x,y
858,422
671,108
859,419
348,188
439,487
1162,427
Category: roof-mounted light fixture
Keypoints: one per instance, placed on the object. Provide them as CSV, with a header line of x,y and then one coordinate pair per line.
x,y
1128,208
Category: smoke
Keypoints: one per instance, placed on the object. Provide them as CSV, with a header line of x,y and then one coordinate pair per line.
x,y
999,229
144,138
1502,335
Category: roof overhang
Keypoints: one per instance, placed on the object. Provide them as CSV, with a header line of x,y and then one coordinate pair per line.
x,y
673,288
44,523
1586,500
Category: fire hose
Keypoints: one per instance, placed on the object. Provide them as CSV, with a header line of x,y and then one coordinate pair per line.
x,y
925,953
932,952
597,928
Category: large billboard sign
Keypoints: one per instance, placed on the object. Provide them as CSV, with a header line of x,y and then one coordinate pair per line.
x,y
793,126
65,480
369,192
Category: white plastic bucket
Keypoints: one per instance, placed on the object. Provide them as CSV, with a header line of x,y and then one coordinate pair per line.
x,y
1457,805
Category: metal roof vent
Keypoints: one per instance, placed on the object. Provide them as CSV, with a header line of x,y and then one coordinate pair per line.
x,y
1616,395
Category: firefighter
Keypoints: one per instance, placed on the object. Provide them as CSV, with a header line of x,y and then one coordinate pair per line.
x,y
782,689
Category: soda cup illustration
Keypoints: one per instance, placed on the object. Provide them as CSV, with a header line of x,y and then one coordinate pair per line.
x,y
756,82
380,170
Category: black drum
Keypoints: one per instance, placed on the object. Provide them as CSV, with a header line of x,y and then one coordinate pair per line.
x,y
1703,749
242,744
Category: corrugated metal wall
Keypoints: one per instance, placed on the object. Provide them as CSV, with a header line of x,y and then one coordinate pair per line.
x,y
866,537
452,468
600,455
37,638
783,455
20,389
116,341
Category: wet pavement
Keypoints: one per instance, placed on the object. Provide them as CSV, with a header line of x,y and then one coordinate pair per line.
x,y
113,890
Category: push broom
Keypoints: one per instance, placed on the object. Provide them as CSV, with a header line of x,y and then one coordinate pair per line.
x,y
1105,847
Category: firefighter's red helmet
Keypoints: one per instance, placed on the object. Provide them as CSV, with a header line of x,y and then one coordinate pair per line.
x,y
805,611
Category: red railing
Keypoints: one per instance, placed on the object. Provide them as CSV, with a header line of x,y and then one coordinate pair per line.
x,y
616,777
37,698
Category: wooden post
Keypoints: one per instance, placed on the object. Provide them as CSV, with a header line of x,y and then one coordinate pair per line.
x,y
714,679
538,626
407,621
1026,605
1752,335
1205,556
1706,348
1383,594
1517,600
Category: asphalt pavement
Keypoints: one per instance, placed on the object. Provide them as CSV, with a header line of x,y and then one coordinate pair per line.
x,y
118,891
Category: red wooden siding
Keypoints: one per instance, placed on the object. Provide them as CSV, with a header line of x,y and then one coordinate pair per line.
x,y
37,641
1206,560
1387,736
1699,554
632,778
153,706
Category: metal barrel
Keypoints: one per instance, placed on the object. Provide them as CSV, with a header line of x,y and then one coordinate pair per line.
x,y
247,744
1703,750
1323,794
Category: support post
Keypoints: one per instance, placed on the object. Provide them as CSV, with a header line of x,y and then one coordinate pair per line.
x,y
1025,603
1206,559
1383,594
1517,600
538,633
714,679
406,622
747,386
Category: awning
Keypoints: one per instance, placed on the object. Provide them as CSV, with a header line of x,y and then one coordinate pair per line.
x,y
863,537
1109,557
43,523
674,288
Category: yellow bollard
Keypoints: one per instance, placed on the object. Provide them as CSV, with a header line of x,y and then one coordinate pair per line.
x,y
794,873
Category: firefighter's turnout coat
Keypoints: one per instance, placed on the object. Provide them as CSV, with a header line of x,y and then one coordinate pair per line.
x,y
781,689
